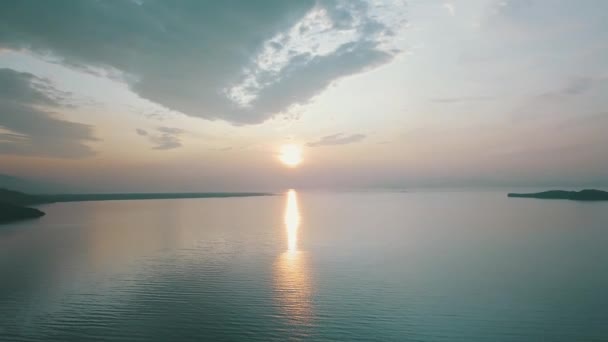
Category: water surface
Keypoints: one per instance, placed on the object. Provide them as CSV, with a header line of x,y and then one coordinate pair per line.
x,y
308,266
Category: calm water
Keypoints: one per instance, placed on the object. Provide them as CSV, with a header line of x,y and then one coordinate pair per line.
x,y
309,266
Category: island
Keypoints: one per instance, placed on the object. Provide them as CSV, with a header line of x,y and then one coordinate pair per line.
x,y
583,195
14,204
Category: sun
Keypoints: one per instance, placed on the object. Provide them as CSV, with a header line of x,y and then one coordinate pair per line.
x,y
291,155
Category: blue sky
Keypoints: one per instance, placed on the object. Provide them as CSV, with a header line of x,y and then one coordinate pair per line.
x,y
201,95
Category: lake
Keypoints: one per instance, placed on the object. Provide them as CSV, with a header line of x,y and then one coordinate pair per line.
x,y
311,266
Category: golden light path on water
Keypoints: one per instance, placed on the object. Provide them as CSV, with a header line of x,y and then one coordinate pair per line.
x,y
292,282
292,220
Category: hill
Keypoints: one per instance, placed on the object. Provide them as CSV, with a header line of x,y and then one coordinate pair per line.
x,y
10,212
19,198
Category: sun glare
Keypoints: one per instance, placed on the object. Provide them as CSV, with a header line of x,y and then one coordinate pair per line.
x,y
291,155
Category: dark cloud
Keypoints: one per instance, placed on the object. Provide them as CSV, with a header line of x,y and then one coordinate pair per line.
x,y
305,79
166,138
184,55
22,87
30,124
337,139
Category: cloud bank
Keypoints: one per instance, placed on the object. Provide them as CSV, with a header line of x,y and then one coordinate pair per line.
x,y
166,138
29,124
337,139
240,61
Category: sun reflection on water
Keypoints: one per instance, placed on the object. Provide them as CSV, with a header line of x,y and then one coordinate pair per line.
x,y
292,281
292,220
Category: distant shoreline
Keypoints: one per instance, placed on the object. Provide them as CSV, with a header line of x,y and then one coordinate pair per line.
x,y
142,196
15,206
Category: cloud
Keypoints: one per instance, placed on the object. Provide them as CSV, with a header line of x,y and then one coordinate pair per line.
x,y
223,149
240,61
448,6
167,138
542,20
337,139
29,124
503,13
171,130
462,99
576,96
573,87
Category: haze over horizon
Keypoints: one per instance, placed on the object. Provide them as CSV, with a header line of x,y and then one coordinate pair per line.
x,y
149,95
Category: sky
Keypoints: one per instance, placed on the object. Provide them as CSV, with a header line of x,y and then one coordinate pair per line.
x,y
192,95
